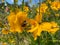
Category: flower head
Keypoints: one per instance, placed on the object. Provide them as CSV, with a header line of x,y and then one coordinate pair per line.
x,y
5,31
38,18
43,8
55,5
54,27
15,21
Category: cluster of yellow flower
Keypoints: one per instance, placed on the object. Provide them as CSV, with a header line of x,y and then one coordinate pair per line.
x,y
19,21
55,5
50,27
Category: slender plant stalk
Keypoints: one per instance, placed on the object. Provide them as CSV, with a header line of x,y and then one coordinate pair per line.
x,y
17,39
39,14
38,40
22,5
15,6
39,7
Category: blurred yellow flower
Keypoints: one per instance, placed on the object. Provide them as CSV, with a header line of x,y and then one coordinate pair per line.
x,y
54,24
11,20
37,32
55,5
50,27
54,27
43,8
15,21
21,17
26,8
53,30
5,31
57,15
4,43
49,1
46,26
11,41
38,18
34,25
35,28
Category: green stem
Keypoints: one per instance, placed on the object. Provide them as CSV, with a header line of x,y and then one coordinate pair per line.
x,y
52,37
38,40
22,5
15,6
17,39
39,7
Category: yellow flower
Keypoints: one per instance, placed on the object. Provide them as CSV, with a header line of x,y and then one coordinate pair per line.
x,y
21,17
54,27
34,25
38,18
46,26
55,5
26,9
49,1
11,41
38,32
43,8
11,20
5,31
57,15
53,30
4,43
54,24
35,29
50,27
16,20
